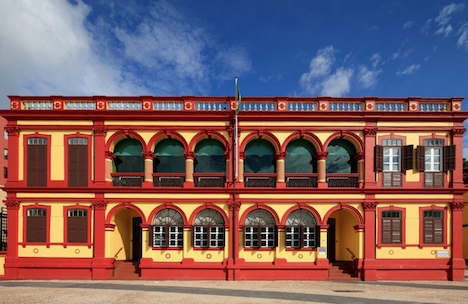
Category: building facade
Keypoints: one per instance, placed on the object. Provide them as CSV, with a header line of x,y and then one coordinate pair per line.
x,y
186,191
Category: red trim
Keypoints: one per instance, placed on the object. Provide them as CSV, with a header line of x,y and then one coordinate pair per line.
x,y
125,205
308,136
261,135
354,211
421,226
207,135
121,135
403,227
166,134
305,207
349,136
255,207
25,213
90,159
167,206
25,156
65,224
209,206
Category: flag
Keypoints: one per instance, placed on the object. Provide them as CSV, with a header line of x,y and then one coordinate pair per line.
x,y
238,95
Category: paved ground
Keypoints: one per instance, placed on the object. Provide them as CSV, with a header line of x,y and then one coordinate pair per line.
x,y
270,292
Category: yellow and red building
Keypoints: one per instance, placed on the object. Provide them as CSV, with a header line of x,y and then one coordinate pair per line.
x,y
372,182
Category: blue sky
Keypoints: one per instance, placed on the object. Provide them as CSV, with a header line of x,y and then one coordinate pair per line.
x,y
276,48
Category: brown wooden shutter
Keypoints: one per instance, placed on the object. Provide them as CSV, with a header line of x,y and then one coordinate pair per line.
x,y
421,158
77,229
386,231
407,158
77,165
151,236
37,165
378,158
449,158
438,231
396,231
36,229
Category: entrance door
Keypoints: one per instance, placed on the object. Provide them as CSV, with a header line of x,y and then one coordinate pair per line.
x,y
331,240
136,237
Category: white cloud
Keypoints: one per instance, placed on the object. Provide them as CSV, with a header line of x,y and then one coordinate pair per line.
x,y
320,64
444,30
463,39
375,59
408,24
52,48
426,27
337,84
409,70
446,12
367,78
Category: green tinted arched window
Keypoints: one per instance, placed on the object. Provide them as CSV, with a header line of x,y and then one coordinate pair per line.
x,y
169,157
259,157
300,157
209,155
340,157
128,156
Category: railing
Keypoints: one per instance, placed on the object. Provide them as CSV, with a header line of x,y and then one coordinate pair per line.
x,y
4,229
260,180
343,180
127,179
169,179
353,257
301,180
217,180
248,104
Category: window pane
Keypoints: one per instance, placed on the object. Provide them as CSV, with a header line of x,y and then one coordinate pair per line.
x,y
259,157
299,157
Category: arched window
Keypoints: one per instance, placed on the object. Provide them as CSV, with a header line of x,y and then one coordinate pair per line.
x,y
259,157
340,157
128,156
300,157
168,229
209,155
208,229
260,230
169,157
301,230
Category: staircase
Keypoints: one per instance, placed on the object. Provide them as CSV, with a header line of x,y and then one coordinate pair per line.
x,y
342,271
126,270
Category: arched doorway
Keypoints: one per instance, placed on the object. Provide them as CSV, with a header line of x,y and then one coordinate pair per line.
x,y
342,238
126,239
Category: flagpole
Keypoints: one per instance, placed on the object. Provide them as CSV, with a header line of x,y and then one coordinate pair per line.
x,y
236,132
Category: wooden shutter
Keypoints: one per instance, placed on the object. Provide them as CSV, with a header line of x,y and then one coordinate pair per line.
x,y
37,165
407,158
151,236
378,158
420,158
386,231
77,230
276,236
36,229
449,158
317,236
77,165
396,231
433,231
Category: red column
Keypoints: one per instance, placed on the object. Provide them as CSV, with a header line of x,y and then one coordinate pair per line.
x,y
457,141
369,268
369,144
280,180
148,158
100,265
321,169
457,263
11,258
99,154
13,162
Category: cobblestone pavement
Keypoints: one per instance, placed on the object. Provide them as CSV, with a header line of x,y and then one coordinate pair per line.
x,y
71,292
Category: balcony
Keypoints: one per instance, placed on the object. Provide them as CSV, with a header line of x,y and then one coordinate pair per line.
x,y
169,179
217,180
125,179
350,180
301,180
260,180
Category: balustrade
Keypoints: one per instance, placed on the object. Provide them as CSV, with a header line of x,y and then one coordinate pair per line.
x,y
127,179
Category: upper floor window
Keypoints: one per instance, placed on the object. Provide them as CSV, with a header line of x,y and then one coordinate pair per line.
x,y
300,157
5,134
301,230
259,157
167,229
340,157
434,158
169,157
5,153
208,229
391,227
37,162
77,226
36,225
260,230
77,162
392,158
128,157
209,157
